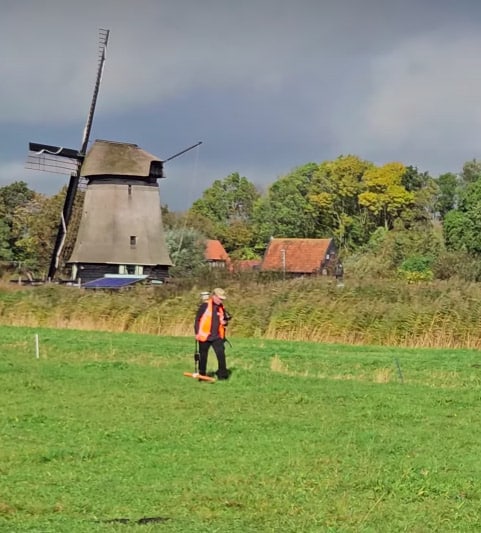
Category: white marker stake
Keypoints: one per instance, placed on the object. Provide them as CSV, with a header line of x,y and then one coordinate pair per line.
x,y
37,354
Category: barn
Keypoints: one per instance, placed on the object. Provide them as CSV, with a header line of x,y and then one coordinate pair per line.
x,y
300,257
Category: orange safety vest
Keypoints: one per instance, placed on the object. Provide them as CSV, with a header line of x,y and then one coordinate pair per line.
x,y
205,323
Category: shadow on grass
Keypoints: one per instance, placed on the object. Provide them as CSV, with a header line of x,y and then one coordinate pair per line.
x,y
140,521
213,374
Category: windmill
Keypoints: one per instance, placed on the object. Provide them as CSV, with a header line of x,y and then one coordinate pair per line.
x,y
120,232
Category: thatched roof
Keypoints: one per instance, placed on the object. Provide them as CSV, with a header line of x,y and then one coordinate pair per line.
x,y
117,159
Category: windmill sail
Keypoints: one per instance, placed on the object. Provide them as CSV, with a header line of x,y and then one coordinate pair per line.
x,y
103,41
55,159
68,161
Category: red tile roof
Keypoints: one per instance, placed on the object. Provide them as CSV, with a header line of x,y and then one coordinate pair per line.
x,y
300,256
214,251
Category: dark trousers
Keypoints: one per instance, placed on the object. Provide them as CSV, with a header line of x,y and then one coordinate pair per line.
x,y
219,349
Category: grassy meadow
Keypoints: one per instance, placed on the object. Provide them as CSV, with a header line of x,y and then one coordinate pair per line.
x,y
103,433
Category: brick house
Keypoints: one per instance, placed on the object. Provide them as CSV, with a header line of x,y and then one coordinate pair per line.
x,y
300,257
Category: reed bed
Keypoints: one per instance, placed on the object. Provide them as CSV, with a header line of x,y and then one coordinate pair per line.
x,y
374,312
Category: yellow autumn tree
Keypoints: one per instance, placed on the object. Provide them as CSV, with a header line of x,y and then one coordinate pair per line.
x,y
334,193
385,196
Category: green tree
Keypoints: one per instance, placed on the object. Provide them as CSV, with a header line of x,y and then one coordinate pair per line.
x,y
388,249
447,193
238,237
471,172
413,180
424,191
188,220
285,211
458,231
227,200
12,197
462,226
186,250
6,253
226,208
34,230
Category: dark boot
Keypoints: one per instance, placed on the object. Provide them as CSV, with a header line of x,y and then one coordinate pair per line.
x,y
219,350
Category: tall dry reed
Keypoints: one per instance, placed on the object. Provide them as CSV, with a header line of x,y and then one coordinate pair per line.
x,y
436,314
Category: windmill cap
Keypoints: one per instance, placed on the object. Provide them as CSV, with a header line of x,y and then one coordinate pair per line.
x,y
220,293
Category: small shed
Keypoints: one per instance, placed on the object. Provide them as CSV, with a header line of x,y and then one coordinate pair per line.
x,y
215,255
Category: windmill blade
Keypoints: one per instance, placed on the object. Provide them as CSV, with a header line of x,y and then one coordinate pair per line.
x,y
60,151
75,176
55,159
103,41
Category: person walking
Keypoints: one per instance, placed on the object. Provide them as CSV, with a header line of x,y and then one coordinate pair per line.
x,y
209,326
339,272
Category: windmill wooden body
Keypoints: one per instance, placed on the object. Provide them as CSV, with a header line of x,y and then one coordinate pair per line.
x,y
120,229
120,232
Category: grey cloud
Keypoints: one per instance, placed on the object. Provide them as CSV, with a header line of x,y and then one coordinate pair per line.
x,y
267,84
422,98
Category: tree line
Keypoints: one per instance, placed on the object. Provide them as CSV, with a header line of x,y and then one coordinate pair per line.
x,y
386,219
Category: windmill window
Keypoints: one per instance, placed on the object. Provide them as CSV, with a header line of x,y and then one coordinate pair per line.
x,y
133,241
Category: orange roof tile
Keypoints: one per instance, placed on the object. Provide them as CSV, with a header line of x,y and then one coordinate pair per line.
x,y
301,256
214,251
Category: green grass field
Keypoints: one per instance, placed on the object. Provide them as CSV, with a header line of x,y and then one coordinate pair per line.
x,y
103,431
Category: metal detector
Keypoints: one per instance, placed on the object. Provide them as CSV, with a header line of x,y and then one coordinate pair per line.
x,y
196,374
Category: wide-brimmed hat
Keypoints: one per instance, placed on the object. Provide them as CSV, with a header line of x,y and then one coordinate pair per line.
x,y
220,293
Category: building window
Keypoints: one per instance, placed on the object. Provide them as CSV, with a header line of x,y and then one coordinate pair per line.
x,y
133,241
131,270
216,264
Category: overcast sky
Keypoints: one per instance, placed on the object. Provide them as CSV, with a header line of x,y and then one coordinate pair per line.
x,y
267,85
